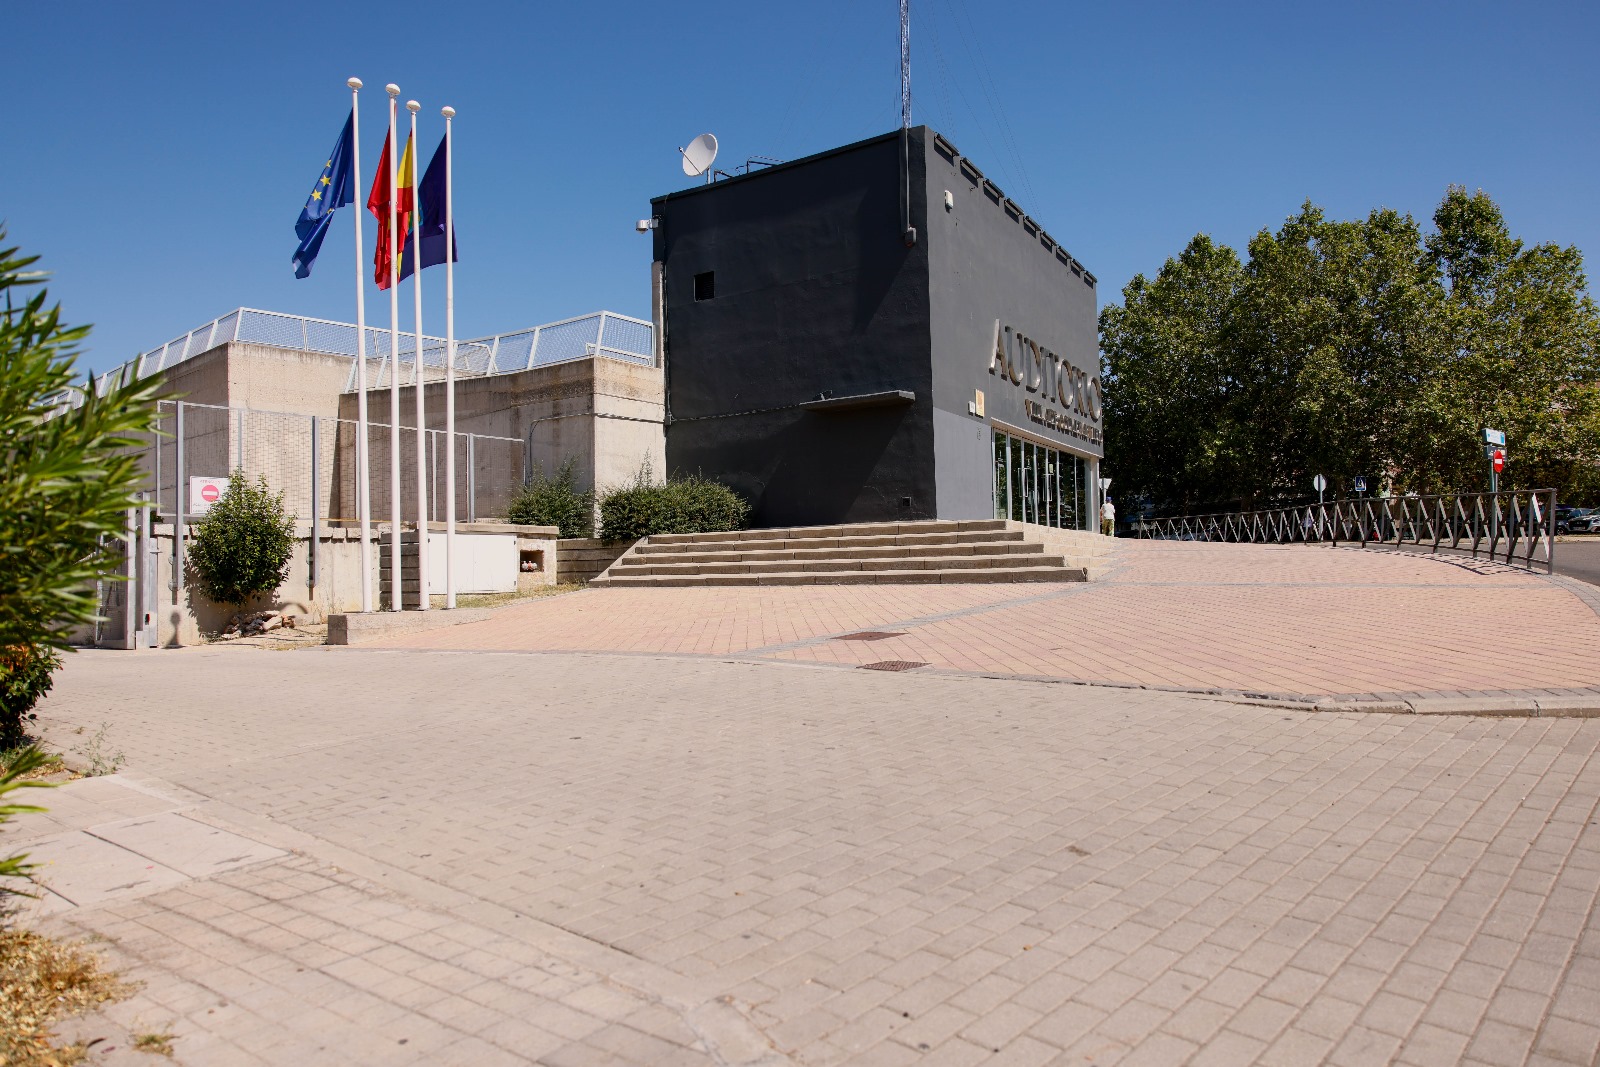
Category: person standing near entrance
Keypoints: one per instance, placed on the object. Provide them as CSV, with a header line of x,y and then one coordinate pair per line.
x,y
1108,518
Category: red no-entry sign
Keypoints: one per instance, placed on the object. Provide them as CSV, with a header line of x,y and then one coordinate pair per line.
x,y
1499,460
203,492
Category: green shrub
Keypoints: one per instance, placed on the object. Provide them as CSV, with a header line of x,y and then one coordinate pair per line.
x,y
242,547
24,678
690,504
557,501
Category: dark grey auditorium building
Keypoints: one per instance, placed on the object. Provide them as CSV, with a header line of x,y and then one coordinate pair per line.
x,y
878,333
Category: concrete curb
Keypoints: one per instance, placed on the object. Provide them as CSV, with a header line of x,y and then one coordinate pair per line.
x,y
1511,704
1505,707
358,627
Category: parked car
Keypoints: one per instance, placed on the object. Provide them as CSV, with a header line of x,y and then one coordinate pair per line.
x,y
1579,520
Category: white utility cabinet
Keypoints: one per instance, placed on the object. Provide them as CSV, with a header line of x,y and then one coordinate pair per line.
x,y
485,563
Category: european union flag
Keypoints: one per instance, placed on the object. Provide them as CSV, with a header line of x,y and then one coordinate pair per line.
x,y
334,189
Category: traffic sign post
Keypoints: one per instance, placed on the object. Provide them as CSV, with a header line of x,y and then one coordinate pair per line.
x,y
1319,483
1494,449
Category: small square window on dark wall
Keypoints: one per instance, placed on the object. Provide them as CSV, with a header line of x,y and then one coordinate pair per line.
x,y
705,285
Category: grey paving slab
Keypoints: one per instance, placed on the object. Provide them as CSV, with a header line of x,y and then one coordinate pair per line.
x,y
85,870
86,802
567,858
187,846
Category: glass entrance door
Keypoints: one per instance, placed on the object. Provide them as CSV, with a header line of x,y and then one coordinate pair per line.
x,y
1039,484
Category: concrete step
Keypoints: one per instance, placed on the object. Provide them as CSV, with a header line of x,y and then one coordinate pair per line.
x,y
866,529
743,554
932,551
628,568
800,544
882,577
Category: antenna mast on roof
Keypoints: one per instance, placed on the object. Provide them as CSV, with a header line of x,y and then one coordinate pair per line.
x,y
908,232
905,64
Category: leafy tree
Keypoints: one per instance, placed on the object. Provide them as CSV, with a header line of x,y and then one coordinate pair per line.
x,y
67,476
1169,379
1353,348
1522,354
554,501
241,548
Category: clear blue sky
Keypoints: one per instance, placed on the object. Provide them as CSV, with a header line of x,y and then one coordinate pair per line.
x,y
157,154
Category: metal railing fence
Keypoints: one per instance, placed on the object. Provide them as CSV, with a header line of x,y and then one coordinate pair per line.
x,y
600,333
312,461
1512,528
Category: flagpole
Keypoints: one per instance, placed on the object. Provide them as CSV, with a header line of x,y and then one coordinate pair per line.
x,y
363,493
396,586
423,599
449,367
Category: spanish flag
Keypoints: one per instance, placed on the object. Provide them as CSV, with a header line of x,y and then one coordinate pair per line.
x,y
378,204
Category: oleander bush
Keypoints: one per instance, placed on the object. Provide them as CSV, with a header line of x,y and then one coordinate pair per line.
x,y
68,474
685,504
20,764
554,500
241,548
24,678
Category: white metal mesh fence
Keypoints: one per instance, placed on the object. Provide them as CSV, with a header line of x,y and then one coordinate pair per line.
x,y
312,462
603,333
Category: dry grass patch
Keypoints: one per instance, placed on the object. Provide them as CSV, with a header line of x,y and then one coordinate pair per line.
x,y
155,1043
494,600
53,769
43,980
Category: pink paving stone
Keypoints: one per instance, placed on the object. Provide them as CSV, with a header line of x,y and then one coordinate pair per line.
x,y
1300,620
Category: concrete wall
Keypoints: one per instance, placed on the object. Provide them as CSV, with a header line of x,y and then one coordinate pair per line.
x,y
181,619
269,395
580,559
816,294
537,545
604,414
990,262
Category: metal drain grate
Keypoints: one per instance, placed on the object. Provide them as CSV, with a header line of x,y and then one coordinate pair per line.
x,y
869,635
892,665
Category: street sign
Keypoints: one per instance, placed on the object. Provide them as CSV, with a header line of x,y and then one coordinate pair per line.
x,y
203,492
1499,460
1360,485
1319,483
1494,437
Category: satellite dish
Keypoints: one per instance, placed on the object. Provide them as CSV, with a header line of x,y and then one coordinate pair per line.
x,y
700,154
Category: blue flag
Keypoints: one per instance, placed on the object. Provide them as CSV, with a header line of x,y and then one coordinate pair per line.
x,y
334,189
431,191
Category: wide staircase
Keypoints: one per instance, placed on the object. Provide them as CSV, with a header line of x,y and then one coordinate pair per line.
x,y
936,552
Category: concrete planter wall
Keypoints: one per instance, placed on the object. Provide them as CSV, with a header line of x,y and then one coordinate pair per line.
x,y
181,617
580,559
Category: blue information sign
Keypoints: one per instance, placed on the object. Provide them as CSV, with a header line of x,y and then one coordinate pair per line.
x,y
1361,485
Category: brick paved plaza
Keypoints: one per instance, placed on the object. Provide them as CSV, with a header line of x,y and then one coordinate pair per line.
x,y
677,826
